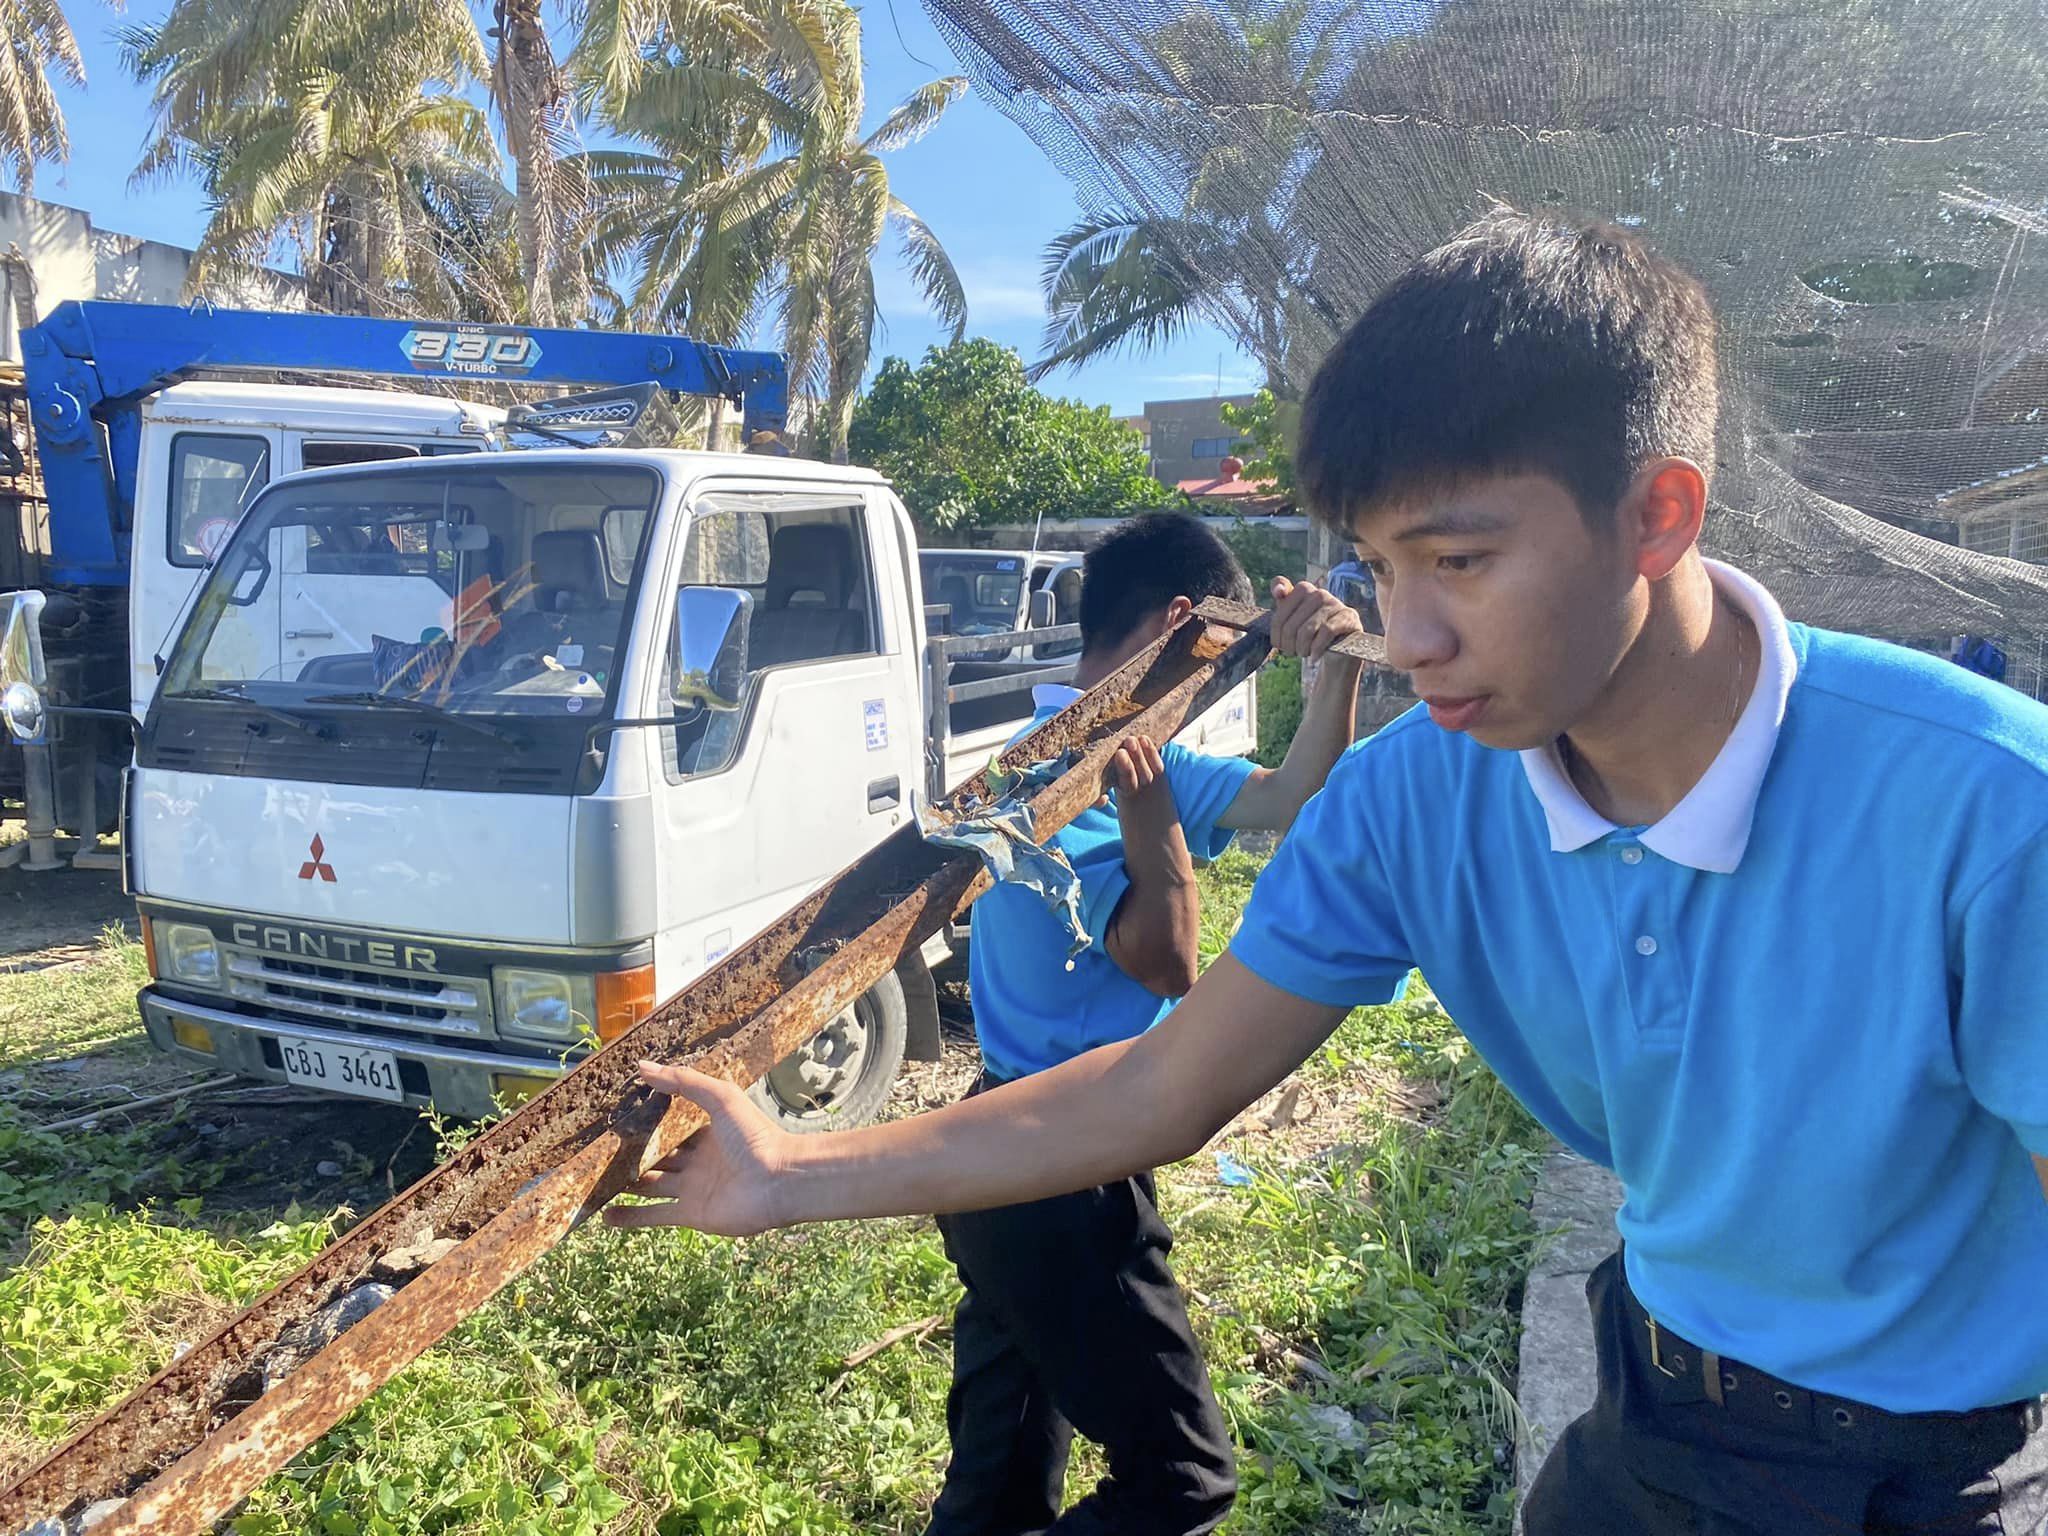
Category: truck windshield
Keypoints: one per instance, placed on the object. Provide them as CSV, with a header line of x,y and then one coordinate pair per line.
x,y
488,586
985,592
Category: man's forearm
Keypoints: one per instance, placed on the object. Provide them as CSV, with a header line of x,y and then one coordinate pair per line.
x,y
1113,1112
1328,726
1052,1132
1157,934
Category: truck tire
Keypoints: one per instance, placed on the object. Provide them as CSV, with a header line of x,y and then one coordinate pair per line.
x,y
842,1078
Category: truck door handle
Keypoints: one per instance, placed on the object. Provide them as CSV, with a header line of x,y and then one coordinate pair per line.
x,y
309,634
884,795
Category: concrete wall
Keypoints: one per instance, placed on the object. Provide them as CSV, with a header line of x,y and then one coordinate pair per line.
x,y
150,272
71,259
1084,533
58,244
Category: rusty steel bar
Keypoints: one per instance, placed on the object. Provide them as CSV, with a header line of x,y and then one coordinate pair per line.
x,y
1367,647
515,1192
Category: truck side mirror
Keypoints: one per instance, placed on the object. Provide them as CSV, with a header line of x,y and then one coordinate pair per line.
x,y
23,680
708,649
1044,610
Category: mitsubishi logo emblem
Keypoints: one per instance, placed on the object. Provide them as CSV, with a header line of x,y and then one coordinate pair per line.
x,y
317,864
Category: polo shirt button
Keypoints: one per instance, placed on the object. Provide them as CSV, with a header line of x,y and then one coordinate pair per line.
x,y
1631,855
1646,945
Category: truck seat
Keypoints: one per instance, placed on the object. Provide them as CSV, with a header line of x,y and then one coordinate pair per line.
x,y
572,597
805,616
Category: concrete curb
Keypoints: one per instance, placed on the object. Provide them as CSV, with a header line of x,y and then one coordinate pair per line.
x,y
1576,1200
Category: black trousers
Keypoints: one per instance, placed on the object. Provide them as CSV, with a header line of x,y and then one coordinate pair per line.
x,y
1683,1443
1072,1321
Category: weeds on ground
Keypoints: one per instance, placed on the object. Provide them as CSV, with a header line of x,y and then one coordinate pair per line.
x,y
58,1015
1280,706
1357,1308
67,1009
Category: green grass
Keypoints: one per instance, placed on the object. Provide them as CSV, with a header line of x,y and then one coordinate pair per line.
x,y
1280,705
666,1382
50,1014
84,1009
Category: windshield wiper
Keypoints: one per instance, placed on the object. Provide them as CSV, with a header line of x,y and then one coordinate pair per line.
x,y
235,693
435,712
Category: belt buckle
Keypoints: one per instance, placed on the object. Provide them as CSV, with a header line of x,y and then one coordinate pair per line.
x,y
1657,1350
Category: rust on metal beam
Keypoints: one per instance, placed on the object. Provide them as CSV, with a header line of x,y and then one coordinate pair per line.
x,y
193,1440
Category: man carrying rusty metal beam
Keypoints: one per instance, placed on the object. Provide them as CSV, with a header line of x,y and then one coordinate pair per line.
x,y
1071,1318
1750,912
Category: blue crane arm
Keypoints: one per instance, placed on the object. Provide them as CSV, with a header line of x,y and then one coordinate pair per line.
x,y
90,365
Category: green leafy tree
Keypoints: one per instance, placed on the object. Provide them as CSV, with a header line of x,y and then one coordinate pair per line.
x,y
1268,426
968,443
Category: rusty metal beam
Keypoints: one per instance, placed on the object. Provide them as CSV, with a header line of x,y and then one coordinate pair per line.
x,y
198,1436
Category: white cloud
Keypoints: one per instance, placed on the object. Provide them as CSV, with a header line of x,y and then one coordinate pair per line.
x,y
1233,383
995,294
996,300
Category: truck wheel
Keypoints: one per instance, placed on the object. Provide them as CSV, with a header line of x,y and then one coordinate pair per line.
x,y
842,1078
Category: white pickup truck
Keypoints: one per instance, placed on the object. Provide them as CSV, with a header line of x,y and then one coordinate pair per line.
x,y
571,725
996,592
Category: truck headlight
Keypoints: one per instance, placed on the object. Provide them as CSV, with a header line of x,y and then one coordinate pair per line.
x,y
544,1005
186,952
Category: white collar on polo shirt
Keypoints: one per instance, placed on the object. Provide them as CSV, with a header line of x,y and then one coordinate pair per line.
x,y
1053,695
1709,828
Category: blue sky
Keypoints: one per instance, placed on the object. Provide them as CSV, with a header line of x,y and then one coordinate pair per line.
x,y
987,192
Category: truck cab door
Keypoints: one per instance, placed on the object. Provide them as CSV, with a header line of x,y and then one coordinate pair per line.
x,y
192,486
757,807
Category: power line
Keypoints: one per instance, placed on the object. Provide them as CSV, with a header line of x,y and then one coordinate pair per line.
x,y
898,25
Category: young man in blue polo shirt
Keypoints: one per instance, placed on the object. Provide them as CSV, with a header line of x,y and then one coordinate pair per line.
x,y
1750,912
1071,1319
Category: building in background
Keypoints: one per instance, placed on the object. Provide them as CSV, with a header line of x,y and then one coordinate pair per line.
x,y
1187,438
2005,515
1228,492
71,258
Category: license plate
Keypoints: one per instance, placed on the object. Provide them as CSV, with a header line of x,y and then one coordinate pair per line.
x,y
341,1068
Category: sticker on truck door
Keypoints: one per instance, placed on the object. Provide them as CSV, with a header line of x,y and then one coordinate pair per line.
x,y
875,716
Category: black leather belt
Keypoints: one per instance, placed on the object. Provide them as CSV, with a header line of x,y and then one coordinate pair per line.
x,y
1680,1371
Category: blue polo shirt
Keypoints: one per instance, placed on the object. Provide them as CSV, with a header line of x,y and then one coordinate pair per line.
x,y
1804,1017
1031,1010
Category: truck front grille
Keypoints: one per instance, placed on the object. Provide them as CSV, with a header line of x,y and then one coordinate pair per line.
x,y
347,994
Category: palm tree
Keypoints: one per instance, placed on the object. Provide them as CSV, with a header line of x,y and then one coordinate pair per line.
x,y
338,132
1117,282
683,273
532,98
758,191
31,123
1139,277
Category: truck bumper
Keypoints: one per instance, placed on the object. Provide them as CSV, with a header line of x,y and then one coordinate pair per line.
x,y
458,1080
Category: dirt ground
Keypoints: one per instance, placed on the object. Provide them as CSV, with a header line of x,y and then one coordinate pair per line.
x,y
275,1145
57,917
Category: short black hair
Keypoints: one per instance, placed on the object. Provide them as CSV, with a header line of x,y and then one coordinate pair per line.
x,y
1146,563
1530,343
